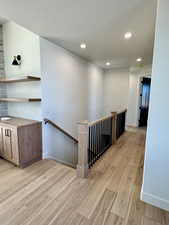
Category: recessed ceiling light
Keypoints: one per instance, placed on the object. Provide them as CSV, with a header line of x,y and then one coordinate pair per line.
x,y
128,35
83,45
107,63
139,59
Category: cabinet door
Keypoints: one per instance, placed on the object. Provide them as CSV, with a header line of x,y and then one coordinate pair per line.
x,y
10,145
1,142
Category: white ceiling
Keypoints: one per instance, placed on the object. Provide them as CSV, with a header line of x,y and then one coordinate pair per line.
x,y
101,24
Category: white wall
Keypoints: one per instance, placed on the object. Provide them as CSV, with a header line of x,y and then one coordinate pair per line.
x,y
133,100
155,189
71,92
116,88
18,40
95,92
122,91
3,93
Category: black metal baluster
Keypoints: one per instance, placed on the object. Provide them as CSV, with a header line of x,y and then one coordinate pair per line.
x,y
90,146
102,126
93,143
96,142
103,137
111,132
99,138
96,145
89,149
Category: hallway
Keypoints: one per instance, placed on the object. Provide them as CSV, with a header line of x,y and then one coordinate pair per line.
x,y
49,193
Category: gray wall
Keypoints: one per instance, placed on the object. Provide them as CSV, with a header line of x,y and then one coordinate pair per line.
x,y
121,91
71,91
3,93
155,189
116,89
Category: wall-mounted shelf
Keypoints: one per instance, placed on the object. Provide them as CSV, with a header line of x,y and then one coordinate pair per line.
x,y
19,79
20,99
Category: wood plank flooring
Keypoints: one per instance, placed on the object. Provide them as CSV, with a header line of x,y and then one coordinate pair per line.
x,y
49,193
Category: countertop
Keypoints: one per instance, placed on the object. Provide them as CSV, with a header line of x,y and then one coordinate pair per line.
x,y
17,122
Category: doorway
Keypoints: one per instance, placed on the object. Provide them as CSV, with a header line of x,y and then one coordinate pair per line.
x,y
144,101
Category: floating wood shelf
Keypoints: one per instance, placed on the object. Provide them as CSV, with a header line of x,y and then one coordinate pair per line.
x,y
20,99
19,79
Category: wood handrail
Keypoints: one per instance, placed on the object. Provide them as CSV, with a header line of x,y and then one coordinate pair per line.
x,y
99,120
122,111
60,129
119,112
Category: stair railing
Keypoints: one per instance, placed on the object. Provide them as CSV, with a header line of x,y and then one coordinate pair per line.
x,y
120,123
95,138
60,129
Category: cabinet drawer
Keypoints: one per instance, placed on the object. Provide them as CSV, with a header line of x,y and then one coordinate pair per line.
x,y
10,146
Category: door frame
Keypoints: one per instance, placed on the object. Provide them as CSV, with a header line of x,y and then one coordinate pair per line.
x,y
139,96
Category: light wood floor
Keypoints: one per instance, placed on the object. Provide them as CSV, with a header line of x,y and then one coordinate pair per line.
x,y
48,193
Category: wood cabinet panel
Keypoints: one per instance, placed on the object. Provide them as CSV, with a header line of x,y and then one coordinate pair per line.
x,y
22,143
30,140
10,145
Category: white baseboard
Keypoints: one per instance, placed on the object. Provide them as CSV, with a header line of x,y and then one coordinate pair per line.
x,y
155,201
58,160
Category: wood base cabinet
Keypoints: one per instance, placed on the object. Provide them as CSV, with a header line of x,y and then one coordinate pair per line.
x,y
21,141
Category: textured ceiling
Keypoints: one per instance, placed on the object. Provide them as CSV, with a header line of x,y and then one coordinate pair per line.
x,y
101,24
